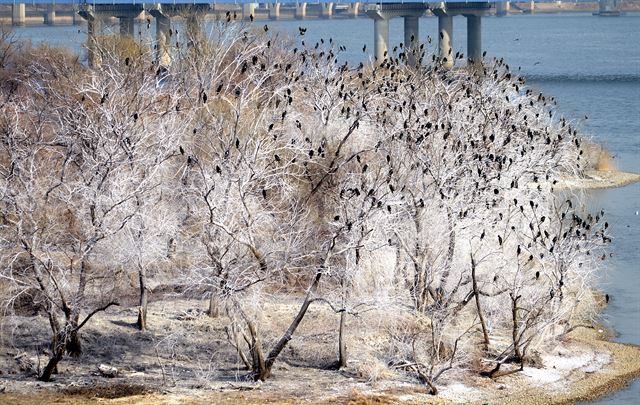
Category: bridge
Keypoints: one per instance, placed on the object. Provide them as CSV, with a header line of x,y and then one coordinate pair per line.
x,y
95,12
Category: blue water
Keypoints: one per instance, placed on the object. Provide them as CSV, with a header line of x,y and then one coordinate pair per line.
x,y
590,64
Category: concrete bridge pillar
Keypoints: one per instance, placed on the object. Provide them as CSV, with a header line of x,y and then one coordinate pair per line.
x,y
163,39
274,11
445,35
50,14
502,8
411,37
75,18
381,38
126,26
18,15
327,10
141,18
94,29
382,13
608,8
249,9
474,38
301,10
354,9
473,12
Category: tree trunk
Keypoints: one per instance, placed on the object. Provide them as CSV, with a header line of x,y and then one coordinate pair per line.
x,y
142,309
214,305
260,369
262,372
74,345
282,343
476,293
516,327
52,365
342,345
258,364
433,390
236,340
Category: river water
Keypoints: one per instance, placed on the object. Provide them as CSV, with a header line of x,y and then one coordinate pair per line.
x,y
590,64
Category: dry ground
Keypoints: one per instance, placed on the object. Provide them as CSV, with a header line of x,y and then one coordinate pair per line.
x,y
184,358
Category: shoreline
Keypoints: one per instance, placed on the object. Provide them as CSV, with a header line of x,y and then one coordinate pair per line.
x,y
622,369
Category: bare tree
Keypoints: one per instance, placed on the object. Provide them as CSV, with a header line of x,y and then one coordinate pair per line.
x,y
89,144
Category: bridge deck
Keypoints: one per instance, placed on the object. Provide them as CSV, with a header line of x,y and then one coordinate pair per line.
x,y
123,2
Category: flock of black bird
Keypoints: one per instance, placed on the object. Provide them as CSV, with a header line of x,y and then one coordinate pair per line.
x,y
387,95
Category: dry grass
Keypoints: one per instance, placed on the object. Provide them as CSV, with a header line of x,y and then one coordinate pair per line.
x,y
111,391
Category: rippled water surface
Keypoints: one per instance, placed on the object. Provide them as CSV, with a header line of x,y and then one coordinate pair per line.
x,y
590,64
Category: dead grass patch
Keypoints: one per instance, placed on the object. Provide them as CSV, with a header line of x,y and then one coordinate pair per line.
x,y
111,391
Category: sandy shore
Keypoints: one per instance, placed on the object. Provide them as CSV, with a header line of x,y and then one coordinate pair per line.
x,y
599,179
623,366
